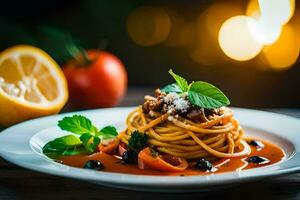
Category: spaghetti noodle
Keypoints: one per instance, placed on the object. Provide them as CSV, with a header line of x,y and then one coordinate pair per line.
x,y
218,137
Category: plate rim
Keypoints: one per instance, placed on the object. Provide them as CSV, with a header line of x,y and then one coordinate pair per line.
x,y
147,181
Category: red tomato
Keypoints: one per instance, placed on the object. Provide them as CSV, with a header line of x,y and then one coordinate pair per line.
x,y
165,163
121,148
101,83
111,147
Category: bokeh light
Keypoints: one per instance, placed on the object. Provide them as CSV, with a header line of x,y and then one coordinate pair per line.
x,y
206,49
270,16
264,33
265,21
284,52
276,12
219,12
236,40
253,9
148,25
224,31
295,23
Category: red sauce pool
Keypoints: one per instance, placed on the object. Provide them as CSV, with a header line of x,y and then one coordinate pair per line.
x,y
114,164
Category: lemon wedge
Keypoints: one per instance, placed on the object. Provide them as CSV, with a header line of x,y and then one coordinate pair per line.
x,y
31,85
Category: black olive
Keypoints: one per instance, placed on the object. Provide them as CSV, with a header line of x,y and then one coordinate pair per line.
x,y
203,164
129,157
257,144
93,164
256,159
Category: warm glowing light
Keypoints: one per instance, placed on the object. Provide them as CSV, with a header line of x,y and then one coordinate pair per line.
x,y
253,9
295,22
206,49
276,12
264,33
236,40
265,21
284,52
217,13
148,25
270,16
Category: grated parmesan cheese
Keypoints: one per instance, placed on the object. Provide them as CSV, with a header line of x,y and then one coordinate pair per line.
x,y
176,102
170,118
169,98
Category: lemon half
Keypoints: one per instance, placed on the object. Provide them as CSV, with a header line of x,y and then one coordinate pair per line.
x,y
31,85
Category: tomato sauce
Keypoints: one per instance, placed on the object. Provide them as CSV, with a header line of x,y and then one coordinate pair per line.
x,y
113,163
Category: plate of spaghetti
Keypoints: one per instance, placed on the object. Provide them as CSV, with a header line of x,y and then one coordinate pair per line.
x,y
183,137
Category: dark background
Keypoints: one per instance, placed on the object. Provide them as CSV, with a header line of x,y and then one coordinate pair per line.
x,y
95,23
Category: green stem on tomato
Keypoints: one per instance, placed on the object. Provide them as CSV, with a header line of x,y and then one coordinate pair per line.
x,y
74,51
86,60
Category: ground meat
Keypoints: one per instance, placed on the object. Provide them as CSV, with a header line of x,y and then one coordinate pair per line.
x,y
155,103
197,115
194,115
152,105
177,105
210,112
159,94
146,106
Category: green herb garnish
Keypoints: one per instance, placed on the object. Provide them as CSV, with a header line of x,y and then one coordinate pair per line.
x,y
181,82
90,142
138,141
64,146
200,93
77,124
87,143
172,88
108,132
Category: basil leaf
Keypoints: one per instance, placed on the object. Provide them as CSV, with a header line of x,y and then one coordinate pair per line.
x,y
205,95
108,132
66,145
77,124
171,88
90,142
182,83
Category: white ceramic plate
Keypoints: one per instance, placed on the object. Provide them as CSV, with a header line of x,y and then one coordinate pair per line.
x,y
21,144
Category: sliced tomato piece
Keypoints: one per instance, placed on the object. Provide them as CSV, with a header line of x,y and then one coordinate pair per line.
x,y
110,148
121,148
167,163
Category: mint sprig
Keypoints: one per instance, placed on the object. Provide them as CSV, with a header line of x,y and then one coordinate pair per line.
x,y
80,125
181,82
77,124
108,132
90,142
64,146
87,143
200,93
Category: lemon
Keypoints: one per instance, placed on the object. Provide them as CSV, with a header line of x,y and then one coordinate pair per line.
x,y
31,85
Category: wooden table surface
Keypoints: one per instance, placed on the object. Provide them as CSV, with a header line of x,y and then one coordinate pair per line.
x,y
17,183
